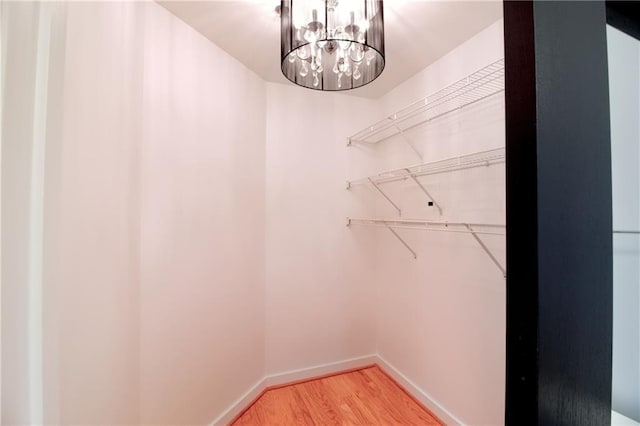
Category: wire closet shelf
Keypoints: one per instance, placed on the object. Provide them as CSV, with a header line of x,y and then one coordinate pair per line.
x,y
477,159
475,229
480,85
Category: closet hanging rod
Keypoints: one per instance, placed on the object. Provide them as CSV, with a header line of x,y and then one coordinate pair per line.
x,y
398,223
478,159
625,232
424,228
476,87
391,225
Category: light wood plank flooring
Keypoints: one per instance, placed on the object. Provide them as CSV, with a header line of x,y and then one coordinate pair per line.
x,y
363,397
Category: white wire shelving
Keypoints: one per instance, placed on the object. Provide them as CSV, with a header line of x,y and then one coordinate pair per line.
x,y
480,85
469,161
474,229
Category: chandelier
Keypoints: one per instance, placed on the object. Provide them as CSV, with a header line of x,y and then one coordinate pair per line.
x,y
332,44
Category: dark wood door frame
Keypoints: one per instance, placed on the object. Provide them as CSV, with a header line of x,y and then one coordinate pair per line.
x,y
559,240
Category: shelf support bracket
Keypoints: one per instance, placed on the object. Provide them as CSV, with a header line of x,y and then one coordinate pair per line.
x,y
404,243
421,186
408,142
486,249
376,186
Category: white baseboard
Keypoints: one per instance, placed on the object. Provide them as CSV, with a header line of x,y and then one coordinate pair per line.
x,y
319,370
432,404
240,404
330,368
287,377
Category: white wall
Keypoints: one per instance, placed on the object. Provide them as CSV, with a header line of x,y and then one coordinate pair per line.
x,y
624,89
91,216
194,232
202,226
20,41
441,318
153,219
319,276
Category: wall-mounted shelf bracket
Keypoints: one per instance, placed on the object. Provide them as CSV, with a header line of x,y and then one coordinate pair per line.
x,y
421,186
428,225
376,186
468,161
393,231
486,250
409,142
404,243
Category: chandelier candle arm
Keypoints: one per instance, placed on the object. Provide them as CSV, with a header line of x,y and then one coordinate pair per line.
x,y
332,45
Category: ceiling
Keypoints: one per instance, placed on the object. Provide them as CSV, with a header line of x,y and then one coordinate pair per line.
x,y
417,33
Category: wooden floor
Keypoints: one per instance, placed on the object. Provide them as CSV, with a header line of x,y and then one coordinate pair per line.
x,y
362,397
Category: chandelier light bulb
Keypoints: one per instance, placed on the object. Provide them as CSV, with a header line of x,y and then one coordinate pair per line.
x,y
310,36
345,36
356,53
343,39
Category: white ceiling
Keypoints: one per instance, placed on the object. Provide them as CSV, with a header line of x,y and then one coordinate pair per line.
x,y
417,32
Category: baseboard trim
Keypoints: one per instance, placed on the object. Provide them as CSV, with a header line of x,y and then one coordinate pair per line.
x,y
240,405
319,371
274,381
286,378
413,390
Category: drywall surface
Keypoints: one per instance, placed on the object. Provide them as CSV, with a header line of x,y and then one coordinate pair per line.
x,y
91,240
193,228
319,276
151,202
202,226
624,96
19,42
441,317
